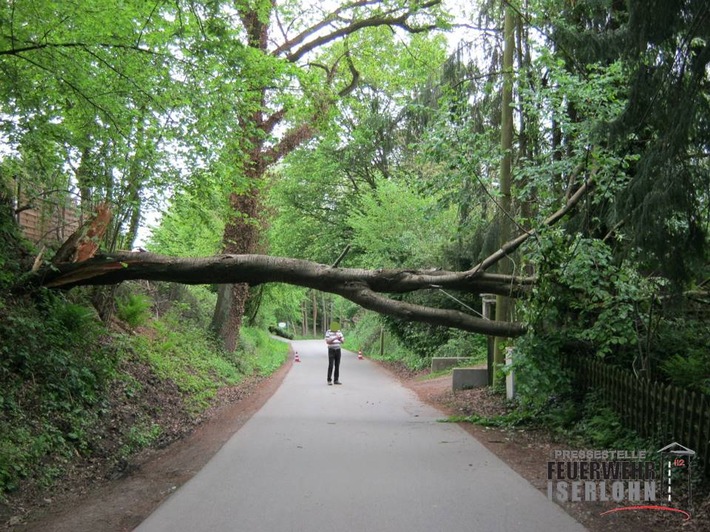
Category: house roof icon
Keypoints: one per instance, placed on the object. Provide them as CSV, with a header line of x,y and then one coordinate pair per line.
x,y
678,449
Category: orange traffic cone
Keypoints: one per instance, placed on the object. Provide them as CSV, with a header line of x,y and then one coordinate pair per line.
x,y
359,355
296,358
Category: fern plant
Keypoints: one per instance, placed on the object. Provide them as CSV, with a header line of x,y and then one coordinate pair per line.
x,y
134,309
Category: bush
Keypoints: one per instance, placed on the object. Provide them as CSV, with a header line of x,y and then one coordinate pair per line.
x,y
278,331
54,373
259,353
539,376
680,348
134,309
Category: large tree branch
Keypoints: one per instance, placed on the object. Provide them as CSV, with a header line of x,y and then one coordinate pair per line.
x,y
293,138
327,20
363,287
257,269
510,246
360,286
386,19
354,77
306,130
449,318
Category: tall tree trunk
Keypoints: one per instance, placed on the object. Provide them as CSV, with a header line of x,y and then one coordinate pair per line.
x,y
241,235
314,309
503,303
221,314
305,318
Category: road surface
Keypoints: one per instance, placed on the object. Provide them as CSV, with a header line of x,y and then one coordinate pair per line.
x,y
367,456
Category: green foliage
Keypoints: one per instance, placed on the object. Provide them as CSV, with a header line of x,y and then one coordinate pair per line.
x,y
305,201
190,357
664,56
193,224
54,371
259,353
320,187
585,304
539,375
140,435
134,309
598,96
681,348
88,91
589,297
394,221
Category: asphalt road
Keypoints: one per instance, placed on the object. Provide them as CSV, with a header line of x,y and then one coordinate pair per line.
x,y
367,456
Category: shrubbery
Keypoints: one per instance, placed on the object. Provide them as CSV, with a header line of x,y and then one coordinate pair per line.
x,y
55,366
134,309
588,303
59,365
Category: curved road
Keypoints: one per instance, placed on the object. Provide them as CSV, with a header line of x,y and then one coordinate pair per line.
x,y
367,456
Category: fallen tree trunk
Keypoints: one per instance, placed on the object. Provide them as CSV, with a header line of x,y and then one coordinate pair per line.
x,y
364,287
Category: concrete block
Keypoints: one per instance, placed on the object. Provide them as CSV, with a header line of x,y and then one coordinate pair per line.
x,y
466,378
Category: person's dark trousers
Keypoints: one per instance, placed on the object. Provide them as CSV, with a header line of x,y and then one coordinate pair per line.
x,y
333,364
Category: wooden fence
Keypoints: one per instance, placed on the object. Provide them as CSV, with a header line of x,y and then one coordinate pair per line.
x,y
662,411
49,223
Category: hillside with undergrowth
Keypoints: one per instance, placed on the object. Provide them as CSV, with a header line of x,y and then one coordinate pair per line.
x,y
81,394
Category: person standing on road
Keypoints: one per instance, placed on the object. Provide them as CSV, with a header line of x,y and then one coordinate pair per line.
x,y
334,338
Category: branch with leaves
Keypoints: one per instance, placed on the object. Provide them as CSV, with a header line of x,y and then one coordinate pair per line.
x,y
297,47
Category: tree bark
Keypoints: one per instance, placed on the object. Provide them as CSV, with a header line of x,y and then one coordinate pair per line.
x,y
364,287
503,302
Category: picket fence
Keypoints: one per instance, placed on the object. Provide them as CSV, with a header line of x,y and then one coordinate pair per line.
x,y
664,412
